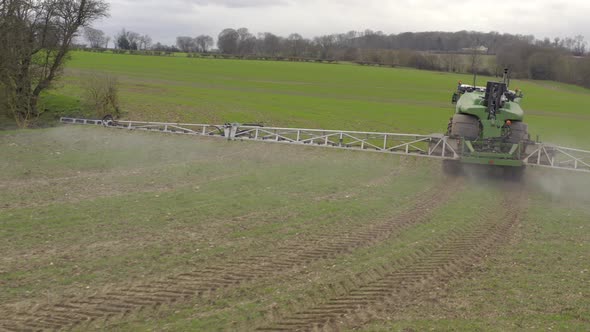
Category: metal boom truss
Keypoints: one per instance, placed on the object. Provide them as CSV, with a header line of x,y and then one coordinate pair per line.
x,y
431,146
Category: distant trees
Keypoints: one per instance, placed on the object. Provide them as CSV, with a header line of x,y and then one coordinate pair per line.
x,y
461,51
96,38
544,64
121,41
204,43
246,42
269,44
325,45
475,60
164,48
132,41
127,40
295,45
514,55
36,37
185,44
227,41
579,46
370,46
583,72
241,41
548,60
145,42
133,38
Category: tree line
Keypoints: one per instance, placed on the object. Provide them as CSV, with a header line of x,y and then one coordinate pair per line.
x,y
561,59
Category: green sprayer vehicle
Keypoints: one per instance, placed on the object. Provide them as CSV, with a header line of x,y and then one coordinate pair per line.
x,y
488,127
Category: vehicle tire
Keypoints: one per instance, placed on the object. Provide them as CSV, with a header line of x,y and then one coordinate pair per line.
x,y
465,126
519,131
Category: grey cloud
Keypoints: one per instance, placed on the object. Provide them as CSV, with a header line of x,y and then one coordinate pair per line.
x,y
166,19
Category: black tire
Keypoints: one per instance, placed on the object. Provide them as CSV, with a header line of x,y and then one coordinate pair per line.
x,y
465,126
519,131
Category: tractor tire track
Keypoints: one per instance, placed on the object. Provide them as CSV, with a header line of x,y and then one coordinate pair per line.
x,y
118,302
385,287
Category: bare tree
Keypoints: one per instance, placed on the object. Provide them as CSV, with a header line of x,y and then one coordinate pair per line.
x,y
271,44
185,44
579,46
295,44
475,62
325,43
246,41
145,42
569,43
36,36
453,64
95,37
204,43
134,39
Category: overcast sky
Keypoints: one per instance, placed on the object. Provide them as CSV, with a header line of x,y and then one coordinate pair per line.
x,y
163,20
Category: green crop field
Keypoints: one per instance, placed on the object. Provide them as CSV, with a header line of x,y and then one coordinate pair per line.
x,y
309,95
106,229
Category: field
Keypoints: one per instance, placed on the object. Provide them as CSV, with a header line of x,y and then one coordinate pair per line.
x,y
109,229
344,97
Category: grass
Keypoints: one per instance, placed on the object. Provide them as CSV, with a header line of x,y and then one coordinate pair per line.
x,y
537,283
251,306
77,189
339,96
86,209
